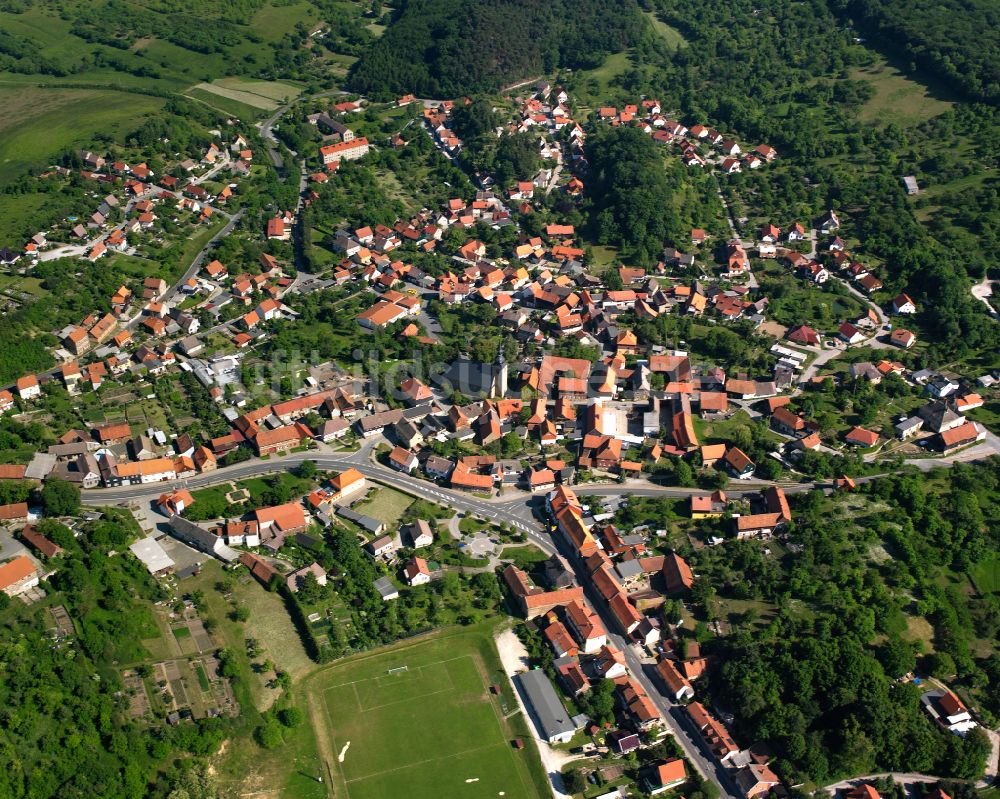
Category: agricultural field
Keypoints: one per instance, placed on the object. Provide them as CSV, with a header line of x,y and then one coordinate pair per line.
x,y
259,95
365,710
42,123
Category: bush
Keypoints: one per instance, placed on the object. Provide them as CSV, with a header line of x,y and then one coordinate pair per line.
x,y
60,498
269,734
291,717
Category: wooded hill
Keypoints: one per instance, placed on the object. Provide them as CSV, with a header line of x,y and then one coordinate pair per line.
x,y
447,48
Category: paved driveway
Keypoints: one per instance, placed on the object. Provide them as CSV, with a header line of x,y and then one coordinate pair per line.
x,y
10,547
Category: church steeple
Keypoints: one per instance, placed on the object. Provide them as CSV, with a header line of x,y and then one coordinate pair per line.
x,y
500,375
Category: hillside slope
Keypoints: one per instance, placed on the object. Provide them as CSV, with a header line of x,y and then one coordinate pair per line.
x,y
444,48
958,41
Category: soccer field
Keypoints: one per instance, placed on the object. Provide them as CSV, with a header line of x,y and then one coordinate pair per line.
x,y
418,721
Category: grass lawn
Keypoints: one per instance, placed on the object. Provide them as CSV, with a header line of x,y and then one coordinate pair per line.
x,y
269,623
18,284
196,241
919,629
986,576
246,770
524,556
13,209
614,65
257,486
673,37
164,645
211,494
273,21
604,257
365,720
387,505
735,610
798,302
988,415
271,89
41,123
897,98
724,430
202,677
147,413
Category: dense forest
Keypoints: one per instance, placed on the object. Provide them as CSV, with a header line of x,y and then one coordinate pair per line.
x,y
956,40
445,48
639,200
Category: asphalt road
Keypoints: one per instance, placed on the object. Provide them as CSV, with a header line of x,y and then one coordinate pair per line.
x,y
518,514
196,264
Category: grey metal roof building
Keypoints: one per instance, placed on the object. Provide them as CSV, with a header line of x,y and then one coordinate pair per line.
x,y
547,711
367,522
200,538
152,555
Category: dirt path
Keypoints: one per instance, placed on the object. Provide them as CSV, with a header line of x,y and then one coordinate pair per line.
x,y
983,291
324,746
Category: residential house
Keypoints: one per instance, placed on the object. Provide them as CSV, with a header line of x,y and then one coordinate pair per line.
x,y
278,522
949,711
859,437
902,338
709,506
677,685
714,734
738,464
419,534
402,460
586,627
756,780
903,305
416,572
663,776
175,502
18,576
957,437
28,388
347,484
381,547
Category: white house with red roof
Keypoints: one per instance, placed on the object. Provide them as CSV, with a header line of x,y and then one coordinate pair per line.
x,y
903,304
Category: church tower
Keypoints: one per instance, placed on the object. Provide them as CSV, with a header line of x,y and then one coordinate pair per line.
x,y
500,376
